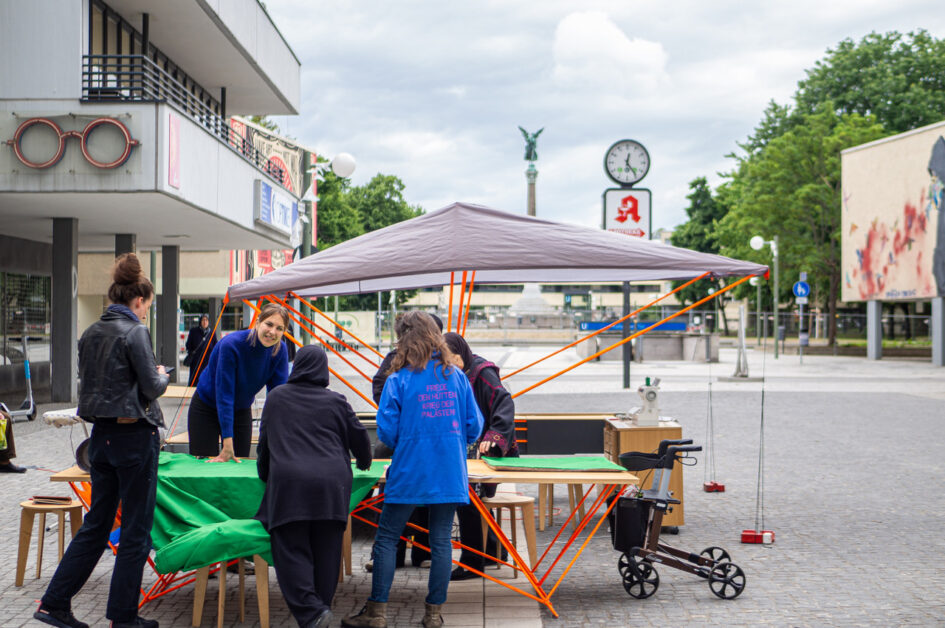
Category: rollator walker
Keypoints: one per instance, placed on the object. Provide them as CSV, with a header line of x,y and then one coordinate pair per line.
x,y
636,524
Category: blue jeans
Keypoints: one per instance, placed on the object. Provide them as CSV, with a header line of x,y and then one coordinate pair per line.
x,y
389,529
123,467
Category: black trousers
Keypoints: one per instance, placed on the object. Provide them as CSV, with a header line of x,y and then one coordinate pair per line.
x,y
307,557
470,535
203,427
123,468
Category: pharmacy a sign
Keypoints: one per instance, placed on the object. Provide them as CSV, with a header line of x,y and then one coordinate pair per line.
x,y
628,211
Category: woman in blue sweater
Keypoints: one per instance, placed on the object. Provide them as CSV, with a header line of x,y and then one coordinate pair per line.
x,y
238,367
428,415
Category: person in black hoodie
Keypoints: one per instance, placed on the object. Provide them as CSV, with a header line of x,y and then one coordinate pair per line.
x,y
120,387
305,437
497,440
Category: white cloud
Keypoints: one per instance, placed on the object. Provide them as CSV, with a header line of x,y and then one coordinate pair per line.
x,y
591,51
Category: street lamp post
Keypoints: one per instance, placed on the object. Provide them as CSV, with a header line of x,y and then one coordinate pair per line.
x,y
755,281
342,165
757,243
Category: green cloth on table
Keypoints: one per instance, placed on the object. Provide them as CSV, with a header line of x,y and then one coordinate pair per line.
x,y
204,512
553,463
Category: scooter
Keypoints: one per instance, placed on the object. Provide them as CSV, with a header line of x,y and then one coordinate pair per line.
x,y
28,407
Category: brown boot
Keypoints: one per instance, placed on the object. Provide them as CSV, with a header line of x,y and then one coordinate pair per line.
x,y
432,617
373,615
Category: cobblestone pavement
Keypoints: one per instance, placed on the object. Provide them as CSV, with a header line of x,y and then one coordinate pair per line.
x,y
853,478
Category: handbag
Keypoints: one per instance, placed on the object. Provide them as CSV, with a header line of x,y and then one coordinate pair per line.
x,y
3,432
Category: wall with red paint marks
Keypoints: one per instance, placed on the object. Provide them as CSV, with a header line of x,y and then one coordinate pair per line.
x,y
891,208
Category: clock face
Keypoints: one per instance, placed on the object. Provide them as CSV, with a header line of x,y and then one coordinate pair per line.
x,y
626,162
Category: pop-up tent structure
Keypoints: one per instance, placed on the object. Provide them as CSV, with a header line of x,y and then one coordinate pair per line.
x,y
490,247
501,248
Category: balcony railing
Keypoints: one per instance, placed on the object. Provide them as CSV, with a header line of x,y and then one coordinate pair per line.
x,y
136,78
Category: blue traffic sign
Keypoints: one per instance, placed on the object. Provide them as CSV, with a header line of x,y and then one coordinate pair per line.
x,y
801,289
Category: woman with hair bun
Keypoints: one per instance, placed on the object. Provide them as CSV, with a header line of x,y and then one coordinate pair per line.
x,y
120,386
238,368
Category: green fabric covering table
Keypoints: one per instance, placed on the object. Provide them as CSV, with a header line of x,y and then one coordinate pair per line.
x,y
553,463
204,512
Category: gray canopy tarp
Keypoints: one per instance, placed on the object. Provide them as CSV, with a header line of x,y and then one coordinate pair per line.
x,y
501,248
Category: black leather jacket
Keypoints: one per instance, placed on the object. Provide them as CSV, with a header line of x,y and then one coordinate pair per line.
x,y
117,371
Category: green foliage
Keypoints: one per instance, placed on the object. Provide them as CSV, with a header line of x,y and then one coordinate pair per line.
x,y
699,234
899,79
345,212
791,188
265,123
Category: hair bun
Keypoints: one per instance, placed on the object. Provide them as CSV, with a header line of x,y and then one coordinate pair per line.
x,y
127,269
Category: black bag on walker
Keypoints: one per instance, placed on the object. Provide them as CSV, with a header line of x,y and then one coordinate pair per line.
x,y
629,519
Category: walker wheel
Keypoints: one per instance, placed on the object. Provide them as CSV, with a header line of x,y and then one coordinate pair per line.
x,y
640,579
726,580
623,564
716,554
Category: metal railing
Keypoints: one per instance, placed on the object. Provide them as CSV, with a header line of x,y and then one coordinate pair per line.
x,y
136,78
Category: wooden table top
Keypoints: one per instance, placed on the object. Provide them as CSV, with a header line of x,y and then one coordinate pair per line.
x,y
476,468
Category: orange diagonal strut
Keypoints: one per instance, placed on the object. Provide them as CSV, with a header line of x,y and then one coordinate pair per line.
x,y
472,281
330,370
334,322
603,329
634,335
292,315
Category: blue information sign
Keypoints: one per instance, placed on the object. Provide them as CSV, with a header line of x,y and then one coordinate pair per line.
x,y
801,289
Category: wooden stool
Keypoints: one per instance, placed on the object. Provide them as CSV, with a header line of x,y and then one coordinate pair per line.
x,y
345,567
28,513
511,502
546,504
262,591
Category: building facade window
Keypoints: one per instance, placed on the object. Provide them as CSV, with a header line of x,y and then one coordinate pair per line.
x,y
25,312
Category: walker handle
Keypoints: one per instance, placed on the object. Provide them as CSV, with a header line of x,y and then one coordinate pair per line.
x,y
670,458
665,444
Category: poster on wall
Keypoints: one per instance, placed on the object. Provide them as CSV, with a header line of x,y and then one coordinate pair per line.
x,y
281,152
892,232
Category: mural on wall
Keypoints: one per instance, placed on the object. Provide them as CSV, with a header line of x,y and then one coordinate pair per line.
x,y
893,237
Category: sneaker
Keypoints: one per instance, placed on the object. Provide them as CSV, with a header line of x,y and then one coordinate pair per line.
x,y
369,566
425,564
462,574
54,617
11,468
138,622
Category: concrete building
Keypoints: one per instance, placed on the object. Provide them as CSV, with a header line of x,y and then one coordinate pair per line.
x,y
115,123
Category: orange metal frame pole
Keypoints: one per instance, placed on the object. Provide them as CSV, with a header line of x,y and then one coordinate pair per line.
x,y
315,309
330,370
635,335
603,329
472,282
449,320
462,296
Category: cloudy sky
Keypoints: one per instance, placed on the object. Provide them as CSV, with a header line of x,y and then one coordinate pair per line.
x,y
434,92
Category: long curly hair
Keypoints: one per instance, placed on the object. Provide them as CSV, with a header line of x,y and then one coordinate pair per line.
x,y
418,339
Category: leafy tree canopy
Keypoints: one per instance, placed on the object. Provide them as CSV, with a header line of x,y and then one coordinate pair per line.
x,y
346,211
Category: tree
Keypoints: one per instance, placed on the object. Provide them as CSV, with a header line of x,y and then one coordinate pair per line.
x,y
265,123
345,212
899,79
698,234
791,188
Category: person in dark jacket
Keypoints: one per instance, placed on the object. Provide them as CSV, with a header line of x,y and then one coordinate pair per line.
x,y
497,440
198,352
6,455
305,437
239,366
120,387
